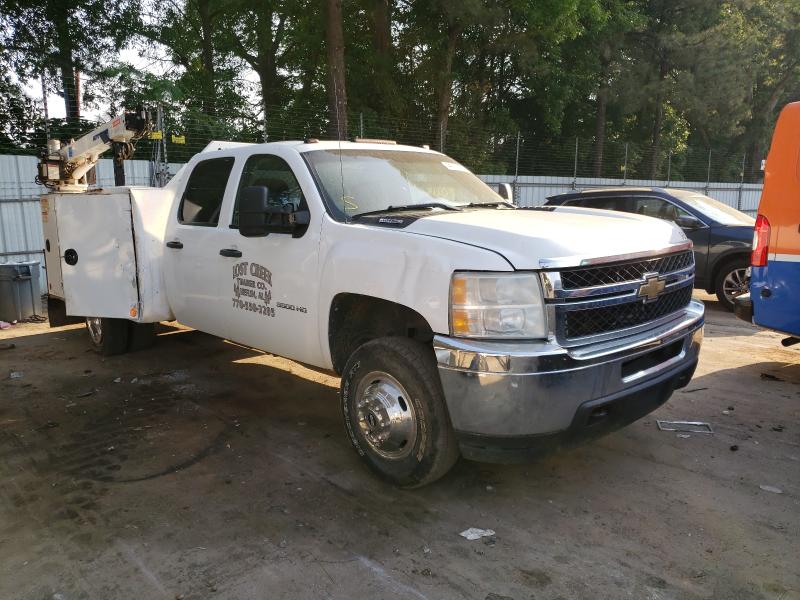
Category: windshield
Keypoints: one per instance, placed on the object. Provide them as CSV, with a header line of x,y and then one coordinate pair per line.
x,y
714,209
361,181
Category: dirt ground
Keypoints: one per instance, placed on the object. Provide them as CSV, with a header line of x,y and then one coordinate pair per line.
x,y
201,469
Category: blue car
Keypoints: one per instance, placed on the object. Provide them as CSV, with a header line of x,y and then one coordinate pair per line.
x,y
722,235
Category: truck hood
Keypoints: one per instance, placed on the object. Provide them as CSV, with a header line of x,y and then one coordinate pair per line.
x,y
529,239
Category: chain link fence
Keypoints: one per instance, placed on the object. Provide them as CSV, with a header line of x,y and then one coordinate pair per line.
x,y
536,168
185,130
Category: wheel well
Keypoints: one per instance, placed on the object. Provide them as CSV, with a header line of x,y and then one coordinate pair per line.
x,y
712,282
355,319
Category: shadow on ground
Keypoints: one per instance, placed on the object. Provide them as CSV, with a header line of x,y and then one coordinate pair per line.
x,y
203,469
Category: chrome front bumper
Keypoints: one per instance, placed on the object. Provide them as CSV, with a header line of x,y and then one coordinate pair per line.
x,y
502,389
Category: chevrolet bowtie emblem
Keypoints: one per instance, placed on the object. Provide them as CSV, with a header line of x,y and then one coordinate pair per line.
x,y
651,287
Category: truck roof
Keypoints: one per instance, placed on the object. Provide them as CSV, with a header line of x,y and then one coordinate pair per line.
x,y
311,145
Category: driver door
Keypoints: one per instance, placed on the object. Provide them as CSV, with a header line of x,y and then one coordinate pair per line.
x,y
272,288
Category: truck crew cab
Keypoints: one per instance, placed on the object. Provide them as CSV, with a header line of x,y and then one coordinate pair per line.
x,y
458,323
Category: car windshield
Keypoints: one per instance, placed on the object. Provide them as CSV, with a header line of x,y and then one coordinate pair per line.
x,y
358,181
713,209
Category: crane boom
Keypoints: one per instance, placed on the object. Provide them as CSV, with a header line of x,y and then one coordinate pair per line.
x,y
63,167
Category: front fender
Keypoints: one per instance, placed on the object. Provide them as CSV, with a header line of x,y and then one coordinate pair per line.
x,y
394,265
719,253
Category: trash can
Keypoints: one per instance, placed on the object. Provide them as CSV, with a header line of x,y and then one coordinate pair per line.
x,y
20,296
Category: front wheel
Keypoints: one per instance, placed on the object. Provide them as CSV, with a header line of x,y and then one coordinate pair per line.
x,y
731,282
395,412
108,336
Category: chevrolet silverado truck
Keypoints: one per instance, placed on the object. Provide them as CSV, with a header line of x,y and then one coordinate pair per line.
x,y
459,323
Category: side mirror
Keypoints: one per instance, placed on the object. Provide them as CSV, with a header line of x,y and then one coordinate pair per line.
x,y
506,191
688,222
257,217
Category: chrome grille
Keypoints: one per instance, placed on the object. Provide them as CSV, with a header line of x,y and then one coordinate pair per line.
x,y
603,319
604,301
583,277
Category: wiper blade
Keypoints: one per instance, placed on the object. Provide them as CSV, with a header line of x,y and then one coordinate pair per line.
x,y
489,204
404,207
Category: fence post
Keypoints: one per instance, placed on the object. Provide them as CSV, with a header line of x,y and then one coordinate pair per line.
x,y
625,166
163,136
516,169
575,167
361,124
162,164
708,171
669,167
741,183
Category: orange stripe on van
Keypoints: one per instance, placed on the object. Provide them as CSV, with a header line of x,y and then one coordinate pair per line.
x,y
780,200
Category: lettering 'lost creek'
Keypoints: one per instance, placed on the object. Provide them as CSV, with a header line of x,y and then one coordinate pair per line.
x,y
252,291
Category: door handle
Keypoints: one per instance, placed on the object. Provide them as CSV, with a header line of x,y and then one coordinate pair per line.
x,y
230,252
175,244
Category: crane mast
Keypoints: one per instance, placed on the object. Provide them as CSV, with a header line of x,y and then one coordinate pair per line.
x,y
63,166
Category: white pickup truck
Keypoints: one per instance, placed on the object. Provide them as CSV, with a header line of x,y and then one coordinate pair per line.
x,y
459,323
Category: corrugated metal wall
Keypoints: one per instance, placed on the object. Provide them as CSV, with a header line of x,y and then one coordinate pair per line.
x,y
21,228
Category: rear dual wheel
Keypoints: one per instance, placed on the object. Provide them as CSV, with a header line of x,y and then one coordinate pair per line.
x,y
395,412
117,336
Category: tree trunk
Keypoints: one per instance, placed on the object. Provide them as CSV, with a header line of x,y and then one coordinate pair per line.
x,y
600,117
337,92
66,67
266,62
381,26
209,103
384,81
446,86
658,119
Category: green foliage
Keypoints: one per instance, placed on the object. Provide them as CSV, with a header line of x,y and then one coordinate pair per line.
x,y
59,38
664,80
17,115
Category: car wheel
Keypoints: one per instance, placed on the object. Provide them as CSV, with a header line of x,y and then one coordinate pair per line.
x,y
732,281
108,336
395,412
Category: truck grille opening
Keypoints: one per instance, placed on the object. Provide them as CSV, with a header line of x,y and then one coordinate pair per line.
x,y
651,359
594,321
633,270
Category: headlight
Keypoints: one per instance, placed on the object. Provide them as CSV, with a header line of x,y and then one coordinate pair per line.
x,y
497,305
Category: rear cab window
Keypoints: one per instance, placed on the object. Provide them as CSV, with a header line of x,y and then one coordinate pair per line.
x,y
202,198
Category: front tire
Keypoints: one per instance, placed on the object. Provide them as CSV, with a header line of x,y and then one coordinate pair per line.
x,y
395,413
108,336
731,282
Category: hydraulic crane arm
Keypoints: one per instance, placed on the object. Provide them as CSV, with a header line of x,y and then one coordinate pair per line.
x,y
63,167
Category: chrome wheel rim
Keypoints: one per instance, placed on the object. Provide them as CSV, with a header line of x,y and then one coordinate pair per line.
x,y
95,327
735,284
386,416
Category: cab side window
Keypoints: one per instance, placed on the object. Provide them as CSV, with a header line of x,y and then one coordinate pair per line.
x,y
658,208
274,173
202,198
